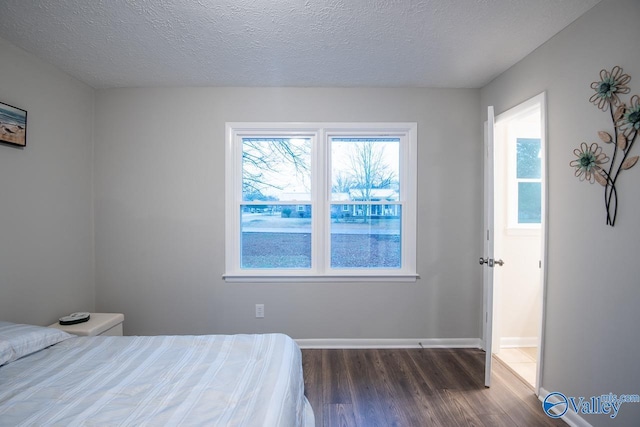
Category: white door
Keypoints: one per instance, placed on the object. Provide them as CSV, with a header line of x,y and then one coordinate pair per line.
x,y
486,260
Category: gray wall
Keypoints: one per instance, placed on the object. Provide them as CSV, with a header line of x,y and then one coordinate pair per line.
x,y
592,338
46,229
159,221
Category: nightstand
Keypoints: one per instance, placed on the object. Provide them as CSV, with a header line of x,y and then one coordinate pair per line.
x,y
98,324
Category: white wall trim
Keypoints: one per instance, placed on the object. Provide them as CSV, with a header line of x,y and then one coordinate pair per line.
x,y
511,342
346,343
571,417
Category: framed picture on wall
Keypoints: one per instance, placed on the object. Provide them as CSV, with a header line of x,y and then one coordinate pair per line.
x,y
13,125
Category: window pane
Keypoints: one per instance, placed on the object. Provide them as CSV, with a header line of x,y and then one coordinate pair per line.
x,y
365,169
365,236
275,236
529,202
528,158
276,169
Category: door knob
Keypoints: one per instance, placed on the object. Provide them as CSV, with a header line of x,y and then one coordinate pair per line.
x,y
490,262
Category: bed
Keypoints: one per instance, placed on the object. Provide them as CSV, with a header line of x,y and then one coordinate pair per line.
x,y
48,377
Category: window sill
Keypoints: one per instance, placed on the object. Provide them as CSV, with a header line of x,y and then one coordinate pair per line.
x,y
302,278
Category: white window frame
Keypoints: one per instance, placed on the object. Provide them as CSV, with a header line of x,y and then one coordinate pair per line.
x,y
320,135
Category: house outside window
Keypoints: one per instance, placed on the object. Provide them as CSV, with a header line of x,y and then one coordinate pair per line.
x,y
319,201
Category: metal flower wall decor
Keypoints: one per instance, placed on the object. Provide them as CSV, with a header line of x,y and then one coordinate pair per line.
x,y
591,161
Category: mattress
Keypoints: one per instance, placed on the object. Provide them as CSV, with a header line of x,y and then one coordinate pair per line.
x,y
215,380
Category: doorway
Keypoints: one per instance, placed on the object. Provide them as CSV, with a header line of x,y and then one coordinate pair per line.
x,y
519,224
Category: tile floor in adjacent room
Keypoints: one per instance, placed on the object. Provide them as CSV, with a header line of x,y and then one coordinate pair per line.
x,y
522,361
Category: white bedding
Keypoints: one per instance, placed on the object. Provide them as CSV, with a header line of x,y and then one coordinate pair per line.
x,y
215,380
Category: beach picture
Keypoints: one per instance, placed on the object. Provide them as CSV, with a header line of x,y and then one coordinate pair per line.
x,y
13,125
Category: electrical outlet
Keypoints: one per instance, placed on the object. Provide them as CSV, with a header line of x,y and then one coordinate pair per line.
x,y
259,311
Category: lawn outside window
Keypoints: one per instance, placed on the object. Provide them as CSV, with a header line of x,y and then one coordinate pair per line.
x,y
320,201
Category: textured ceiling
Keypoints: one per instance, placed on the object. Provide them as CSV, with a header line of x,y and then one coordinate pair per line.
x,y
408,43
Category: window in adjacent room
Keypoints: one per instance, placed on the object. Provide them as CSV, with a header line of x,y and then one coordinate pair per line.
x,y
320,201
528,181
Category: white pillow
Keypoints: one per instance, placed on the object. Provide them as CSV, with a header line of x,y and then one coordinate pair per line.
x,y
17,340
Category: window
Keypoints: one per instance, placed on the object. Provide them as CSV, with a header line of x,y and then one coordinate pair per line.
x,y
528,180
320,201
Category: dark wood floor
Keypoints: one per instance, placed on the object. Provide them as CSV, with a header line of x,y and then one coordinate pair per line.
x,y
416,387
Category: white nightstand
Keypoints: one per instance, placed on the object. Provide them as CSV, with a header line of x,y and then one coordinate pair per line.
x,y
98,324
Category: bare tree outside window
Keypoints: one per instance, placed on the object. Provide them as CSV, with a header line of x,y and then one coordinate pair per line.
x,y
268,165
342,183
369,169
362,166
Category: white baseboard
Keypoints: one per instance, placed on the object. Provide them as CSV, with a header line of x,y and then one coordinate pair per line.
x,y
344,343
511,342
570,417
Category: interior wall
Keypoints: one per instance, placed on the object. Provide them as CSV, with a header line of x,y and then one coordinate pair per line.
x,y
591,334
520,294
159,202
46,229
